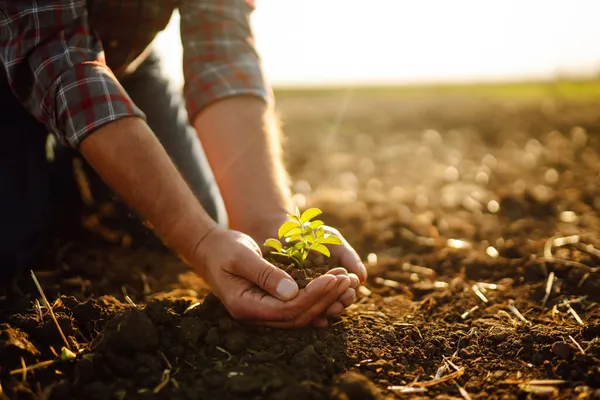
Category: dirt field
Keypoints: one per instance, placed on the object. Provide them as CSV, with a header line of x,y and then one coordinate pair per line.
x,y
479,218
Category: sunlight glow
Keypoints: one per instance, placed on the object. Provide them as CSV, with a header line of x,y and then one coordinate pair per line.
x,y
352,41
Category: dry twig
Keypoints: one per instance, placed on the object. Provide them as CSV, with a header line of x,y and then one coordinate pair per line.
x,y
47,304
577,344
469,312
407,389
549,284
33,367
164,381
535,382
130,302
479,293
445,378
513,309
463,392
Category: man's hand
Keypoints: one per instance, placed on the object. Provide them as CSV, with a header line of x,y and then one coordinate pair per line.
x,y
256,291
350,264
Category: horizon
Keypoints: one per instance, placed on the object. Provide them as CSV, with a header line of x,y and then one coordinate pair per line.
x,y
462,42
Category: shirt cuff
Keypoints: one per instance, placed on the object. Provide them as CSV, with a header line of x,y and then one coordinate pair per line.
x,y
85,98
217,80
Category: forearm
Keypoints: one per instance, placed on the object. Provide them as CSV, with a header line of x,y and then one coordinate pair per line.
x,y
241,138
132,162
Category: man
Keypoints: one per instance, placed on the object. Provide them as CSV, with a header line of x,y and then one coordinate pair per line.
x,y
82,71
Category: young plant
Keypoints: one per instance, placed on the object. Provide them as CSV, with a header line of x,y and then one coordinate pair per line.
x,y
301,235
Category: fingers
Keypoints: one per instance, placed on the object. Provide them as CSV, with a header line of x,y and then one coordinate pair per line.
x,y
318,309
255,305
344,301
335,309
354,280
348,257
268,277
320,322
348,298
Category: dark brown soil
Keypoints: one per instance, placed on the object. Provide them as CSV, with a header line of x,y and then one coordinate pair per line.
x,y
451,201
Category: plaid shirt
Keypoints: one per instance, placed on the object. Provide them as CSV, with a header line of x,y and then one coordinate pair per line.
x,y
54,56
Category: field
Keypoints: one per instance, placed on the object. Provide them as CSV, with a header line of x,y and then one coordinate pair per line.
x,y
476,208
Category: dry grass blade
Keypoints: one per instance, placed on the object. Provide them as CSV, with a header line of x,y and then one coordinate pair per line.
x,y
569,263
577,344
565,240
38,310
535,382
47,304
33,367
575,315
164,381
131,302
463,392
517,313
449,362
549,284
3,395
540,390
588,248
440,371
485,285
469,312
407,389
479,293
166,360
446,378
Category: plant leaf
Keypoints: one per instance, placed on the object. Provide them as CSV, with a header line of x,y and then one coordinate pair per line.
x,y
315,224
293,232
286,227
274,243
295,238
330,239
300,246
320,233
321,249
309,214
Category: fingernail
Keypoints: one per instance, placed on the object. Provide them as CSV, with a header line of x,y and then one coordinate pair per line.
x,y
287,289
363,272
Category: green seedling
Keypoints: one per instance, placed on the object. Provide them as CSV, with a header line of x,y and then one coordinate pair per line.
x,y
300,235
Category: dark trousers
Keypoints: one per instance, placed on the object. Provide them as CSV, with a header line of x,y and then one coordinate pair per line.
x,y
35,194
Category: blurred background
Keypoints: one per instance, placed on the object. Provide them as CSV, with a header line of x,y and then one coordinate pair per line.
x,y
314,42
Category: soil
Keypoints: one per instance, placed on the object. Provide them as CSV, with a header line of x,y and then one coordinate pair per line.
x,y
314,266
460,207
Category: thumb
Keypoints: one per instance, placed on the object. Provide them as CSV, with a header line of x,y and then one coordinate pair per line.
x,y
268,277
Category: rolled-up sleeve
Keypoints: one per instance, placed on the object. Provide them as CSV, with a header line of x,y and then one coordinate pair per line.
x,y
56,68
219,57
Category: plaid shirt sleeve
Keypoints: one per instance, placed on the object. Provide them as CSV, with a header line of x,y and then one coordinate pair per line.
x,y
219,58
56,68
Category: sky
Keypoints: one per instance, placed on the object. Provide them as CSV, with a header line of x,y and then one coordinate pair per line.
x,y
321,42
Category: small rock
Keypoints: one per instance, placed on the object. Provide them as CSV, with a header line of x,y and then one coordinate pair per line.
x,y
235,342
562,350
192,329
213,337
244,385
499,374
305,357
353,386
